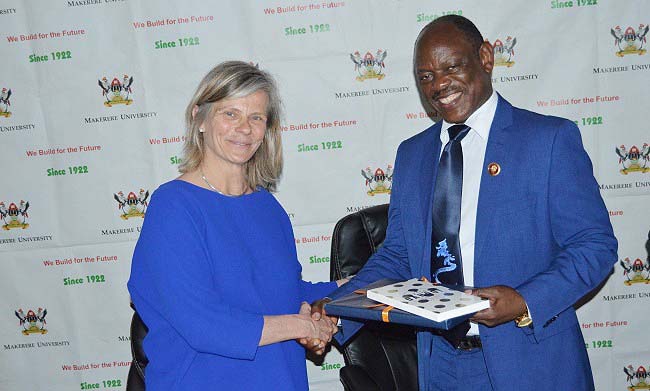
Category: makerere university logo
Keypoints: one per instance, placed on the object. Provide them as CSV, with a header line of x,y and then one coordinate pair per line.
x,y
32,322
5,102
116,92
504,52
634,160
369,66
132,205
637,378
15,216
636,271
630,41
379,182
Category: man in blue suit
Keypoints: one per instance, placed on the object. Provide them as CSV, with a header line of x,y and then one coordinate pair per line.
x,y
534,232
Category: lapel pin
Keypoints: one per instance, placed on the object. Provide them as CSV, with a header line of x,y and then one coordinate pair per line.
x,y
494,169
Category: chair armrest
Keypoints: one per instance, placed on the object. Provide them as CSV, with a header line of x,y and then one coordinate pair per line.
x,y
134,381
355,378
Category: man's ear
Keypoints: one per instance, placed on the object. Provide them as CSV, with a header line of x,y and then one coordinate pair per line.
x,y
486,54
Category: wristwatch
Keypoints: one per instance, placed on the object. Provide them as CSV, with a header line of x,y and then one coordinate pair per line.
x,y
524,320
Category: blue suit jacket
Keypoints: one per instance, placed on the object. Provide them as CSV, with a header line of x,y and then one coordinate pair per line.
x,y
541,228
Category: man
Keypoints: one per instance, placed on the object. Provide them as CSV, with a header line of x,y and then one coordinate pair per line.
x,y
534,233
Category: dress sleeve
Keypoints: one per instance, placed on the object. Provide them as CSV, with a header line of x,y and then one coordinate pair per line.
x,y
308,291
171,276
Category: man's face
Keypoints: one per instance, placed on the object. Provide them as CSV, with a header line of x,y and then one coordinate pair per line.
x,y
453,78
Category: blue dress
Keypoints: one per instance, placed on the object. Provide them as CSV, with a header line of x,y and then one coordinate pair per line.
x,y
205,270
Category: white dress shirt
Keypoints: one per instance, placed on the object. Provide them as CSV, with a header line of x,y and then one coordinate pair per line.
x,y
474,145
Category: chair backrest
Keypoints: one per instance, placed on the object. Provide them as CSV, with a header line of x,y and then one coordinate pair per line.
x,y
135,380
387,353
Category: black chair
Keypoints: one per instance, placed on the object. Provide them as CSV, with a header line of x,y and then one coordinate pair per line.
x,y
382,356
135,380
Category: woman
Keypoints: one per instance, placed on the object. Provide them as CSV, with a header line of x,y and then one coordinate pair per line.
x,y
215,275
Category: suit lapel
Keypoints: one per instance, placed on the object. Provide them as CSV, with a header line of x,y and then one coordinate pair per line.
x,y
491,188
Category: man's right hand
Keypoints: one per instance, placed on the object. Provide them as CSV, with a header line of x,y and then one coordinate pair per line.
x,y
317,312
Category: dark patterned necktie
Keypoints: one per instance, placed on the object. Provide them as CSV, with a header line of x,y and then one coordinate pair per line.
x,y
446,259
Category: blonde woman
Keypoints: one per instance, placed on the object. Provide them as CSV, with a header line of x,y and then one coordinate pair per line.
x,y
215,276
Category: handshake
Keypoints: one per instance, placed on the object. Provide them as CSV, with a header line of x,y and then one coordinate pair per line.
x,y
320,326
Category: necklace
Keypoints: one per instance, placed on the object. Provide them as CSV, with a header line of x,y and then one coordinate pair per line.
x,y
215,189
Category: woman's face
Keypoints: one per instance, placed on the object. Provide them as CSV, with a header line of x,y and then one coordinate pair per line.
x,y
235,130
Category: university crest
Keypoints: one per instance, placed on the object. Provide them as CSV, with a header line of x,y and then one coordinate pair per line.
x,y
5,103
369,66
32,322
132,205
504,52
15,216
379,182
637,378
630,41
634,160
635,271
116,92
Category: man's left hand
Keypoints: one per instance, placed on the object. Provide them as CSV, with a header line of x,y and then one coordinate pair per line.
x,y
505,305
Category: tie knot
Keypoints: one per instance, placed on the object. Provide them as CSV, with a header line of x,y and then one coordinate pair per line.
x,y
457,132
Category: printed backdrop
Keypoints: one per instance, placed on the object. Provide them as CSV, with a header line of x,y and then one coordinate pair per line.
x,y
91,122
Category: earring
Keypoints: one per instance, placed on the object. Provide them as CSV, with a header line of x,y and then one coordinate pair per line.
x,y
201,130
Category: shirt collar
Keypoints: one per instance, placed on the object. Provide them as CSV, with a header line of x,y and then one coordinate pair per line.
x,y
480,121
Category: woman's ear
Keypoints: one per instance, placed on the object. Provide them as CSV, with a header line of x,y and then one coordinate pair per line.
x,y
195,110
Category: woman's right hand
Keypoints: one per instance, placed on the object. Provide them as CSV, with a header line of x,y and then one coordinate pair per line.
x,y
301,326
318,331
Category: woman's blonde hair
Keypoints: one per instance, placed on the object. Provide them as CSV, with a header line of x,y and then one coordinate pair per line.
x,y
236,79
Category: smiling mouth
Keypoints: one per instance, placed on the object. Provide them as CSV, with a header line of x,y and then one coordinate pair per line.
x,y
449,99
